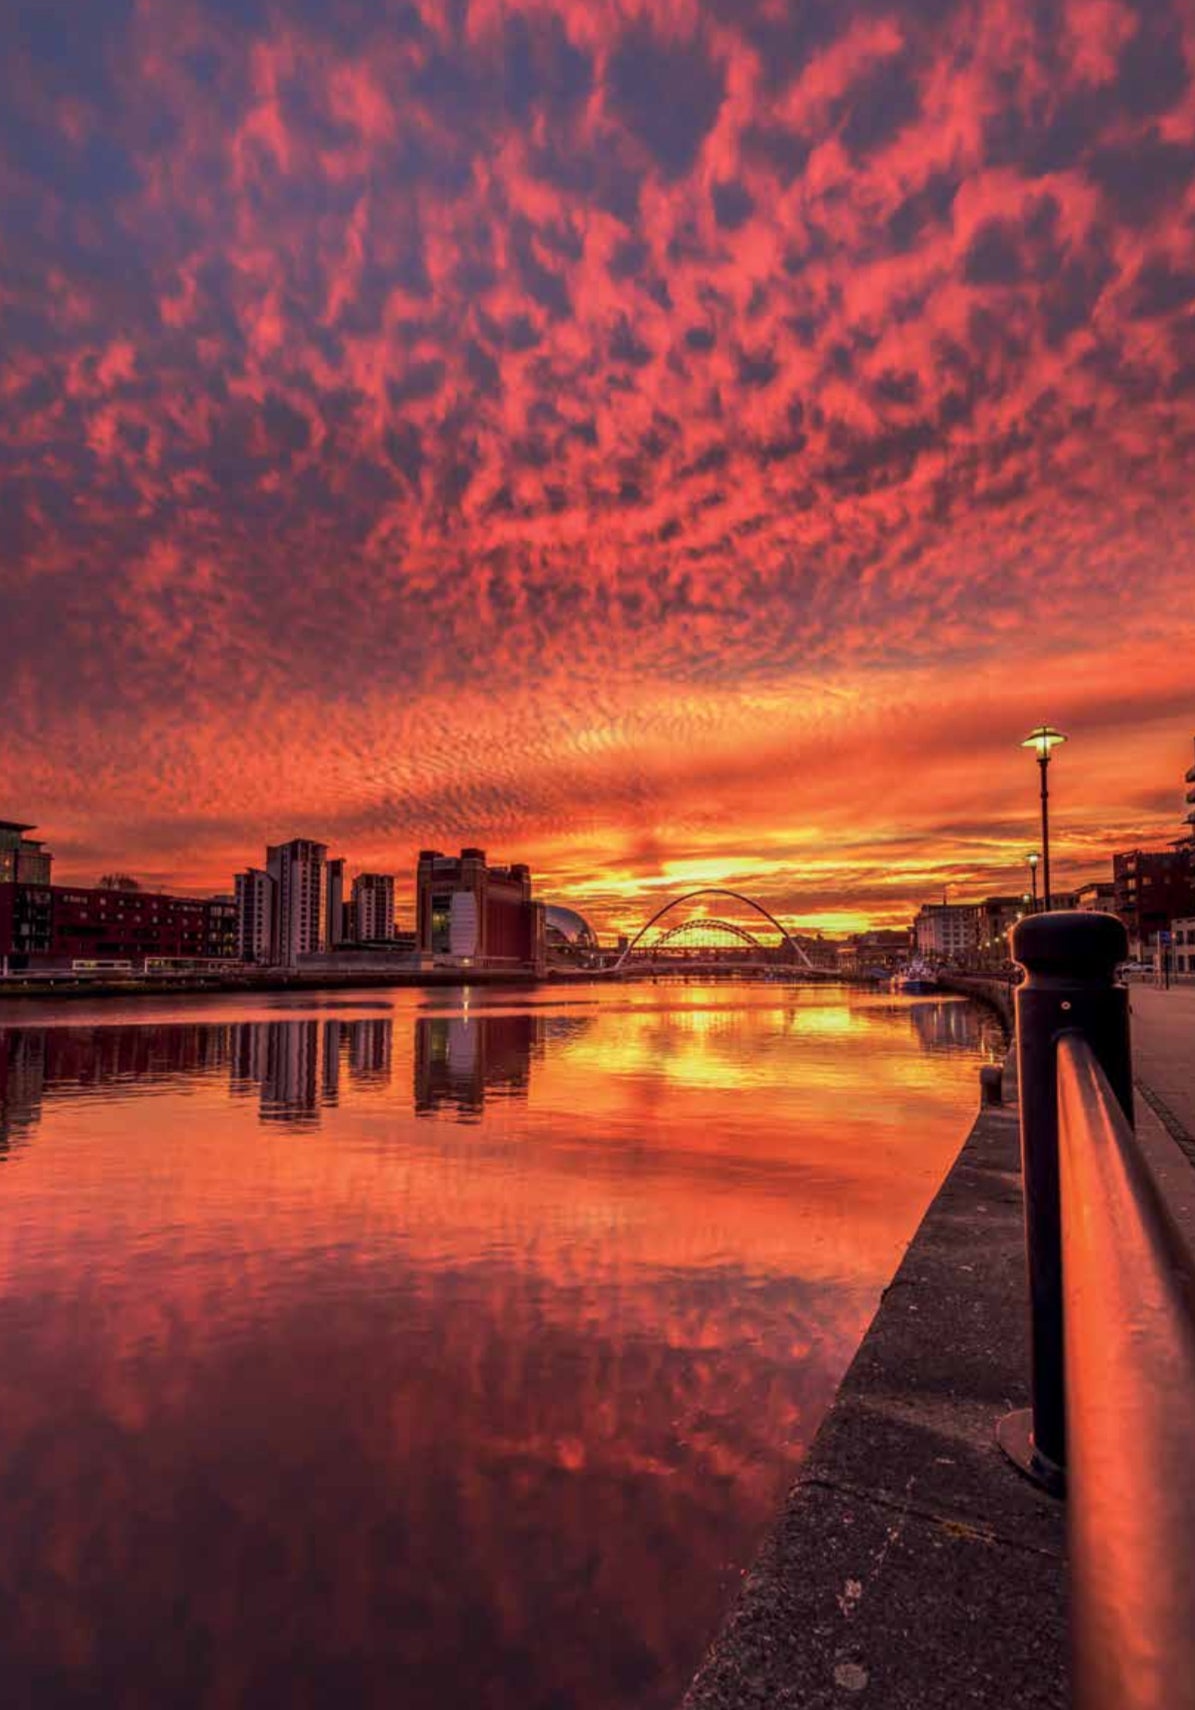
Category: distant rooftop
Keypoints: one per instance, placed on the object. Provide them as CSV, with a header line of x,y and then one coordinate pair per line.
x,y
14,825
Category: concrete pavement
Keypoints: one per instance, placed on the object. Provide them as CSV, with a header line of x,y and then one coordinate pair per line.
x,y
912,1566
1163,1028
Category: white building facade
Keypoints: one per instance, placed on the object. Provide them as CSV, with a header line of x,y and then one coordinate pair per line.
x,y
945,931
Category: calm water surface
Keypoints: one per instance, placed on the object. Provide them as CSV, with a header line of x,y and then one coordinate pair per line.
x,y
430,1350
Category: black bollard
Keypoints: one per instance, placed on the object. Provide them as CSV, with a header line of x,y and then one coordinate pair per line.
x,y
1070,961
991,1084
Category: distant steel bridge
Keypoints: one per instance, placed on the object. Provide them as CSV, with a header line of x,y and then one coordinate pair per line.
x,y
707,939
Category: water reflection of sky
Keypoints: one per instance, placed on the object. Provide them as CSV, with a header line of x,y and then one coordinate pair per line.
x,y
455,1353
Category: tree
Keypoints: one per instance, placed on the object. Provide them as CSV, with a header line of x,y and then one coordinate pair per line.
x,y
119,882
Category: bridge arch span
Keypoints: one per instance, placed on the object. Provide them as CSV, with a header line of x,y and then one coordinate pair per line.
x,y
713,891
706,923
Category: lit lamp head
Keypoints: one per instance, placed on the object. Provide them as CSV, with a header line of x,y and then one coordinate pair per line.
x,y
1033,858
1043,740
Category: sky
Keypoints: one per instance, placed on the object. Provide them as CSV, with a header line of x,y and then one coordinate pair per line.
x,y
673,443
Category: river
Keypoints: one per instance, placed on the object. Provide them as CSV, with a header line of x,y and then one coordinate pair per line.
x,y
433,1349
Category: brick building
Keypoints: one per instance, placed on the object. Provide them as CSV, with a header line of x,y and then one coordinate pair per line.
x,y
1151,889
55,925
995,918
471,913
1098,897
222,942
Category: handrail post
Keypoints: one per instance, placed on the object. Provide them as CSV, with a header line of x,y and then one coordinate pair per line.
x,y
1070,961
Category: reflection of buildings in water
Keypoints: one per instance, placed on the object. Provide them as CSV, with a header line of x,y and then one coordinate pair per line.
x,y
939,1024
953,1023
330,1076
248,1056
95,1056
460,1059
50,1060
294,1067
297,1064
370,1045
289,1084
22,1076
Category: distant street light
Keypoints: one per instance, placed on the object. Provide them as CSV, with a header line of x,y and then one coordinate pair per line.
x,y
1033,858
1042,740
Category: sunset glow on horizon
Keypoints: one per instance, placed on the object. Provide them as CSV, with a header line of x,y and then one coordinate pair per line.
x,y
669,444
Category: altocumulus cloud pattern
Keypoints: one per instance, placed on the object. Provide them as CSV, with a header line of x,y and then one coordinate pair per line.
x,y
447,417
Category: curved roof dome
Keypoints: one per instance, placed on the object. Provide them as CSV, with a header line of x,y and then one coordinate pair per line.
x,y
566,926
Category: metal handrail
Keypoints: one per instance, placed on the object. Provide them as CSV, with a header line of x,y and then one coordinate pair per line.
x,y
1070,985
1129,1310
1111,1419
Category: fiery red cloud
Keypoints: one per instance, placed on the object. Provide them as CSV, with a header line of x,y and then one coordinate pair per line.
x,y
654,440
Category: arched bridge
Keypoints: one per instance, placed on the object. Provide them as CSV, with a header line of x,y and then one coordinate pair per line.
x,y
706,932
788,947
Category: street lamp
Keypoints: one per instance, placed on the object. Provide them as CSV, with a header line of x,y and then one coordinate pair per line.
x,y
1033,858
1042,740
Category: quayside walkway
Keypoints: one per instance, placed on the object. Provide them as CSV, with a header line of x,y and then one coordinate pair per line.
x,y
913,1565
1163,1024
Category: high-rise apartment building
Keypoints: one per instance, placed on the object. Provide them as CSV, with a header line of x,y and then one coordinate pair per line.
x,y
336,926
297,869
255,915
372,908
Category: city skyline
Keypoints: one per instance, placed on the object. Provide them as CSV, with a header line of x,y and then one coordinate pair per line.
x,y
401,894
674,445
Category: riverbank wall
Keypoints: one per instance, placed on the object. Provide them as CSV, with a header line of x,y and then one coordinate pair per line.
x,y
340,980
912,1566
252,985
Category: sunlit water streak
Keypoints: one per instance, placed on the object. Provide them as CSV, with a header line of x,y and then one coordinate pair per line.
x,y
426,1351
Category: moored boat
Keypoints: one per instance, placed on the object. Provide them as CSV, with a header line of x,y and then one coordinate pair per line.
x,y
918,977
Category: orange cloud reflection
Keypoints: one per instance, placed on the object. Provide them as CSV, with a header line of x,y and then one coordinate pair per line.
x,y
357,1346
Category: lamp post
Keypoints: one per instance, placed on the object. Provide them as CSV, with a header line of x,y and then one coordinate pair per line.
x,y
1042,741
1033,858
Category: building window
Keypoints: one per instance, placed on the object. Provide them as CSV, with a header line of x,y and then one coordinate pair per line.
x,y
441,923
